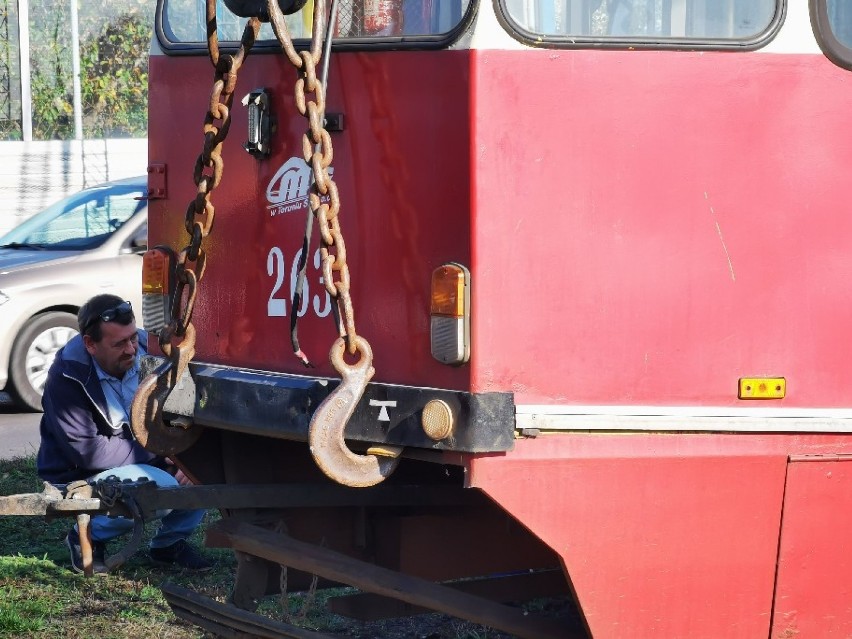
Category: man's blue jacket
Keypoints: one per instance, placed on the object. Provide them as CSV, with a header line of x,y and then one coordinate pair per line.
x,y
77,439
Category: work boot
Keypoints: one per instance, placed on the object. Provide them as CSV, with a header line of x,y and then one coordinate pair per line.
x,y
182,555
72,540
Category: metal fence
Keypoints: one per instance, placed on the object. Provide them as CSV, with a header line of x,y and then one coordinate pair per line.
x,y
43,43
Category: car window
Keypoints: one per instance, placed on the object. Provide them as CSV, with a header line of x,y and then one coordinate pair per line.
x,y
138,241
82,221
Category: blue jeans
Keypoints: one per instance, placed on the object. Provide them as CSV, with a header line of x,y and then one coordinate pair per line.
x,y
175,525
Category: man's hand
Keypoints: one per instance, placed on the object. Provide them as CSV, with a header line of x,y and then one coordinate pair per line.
x,y
183,480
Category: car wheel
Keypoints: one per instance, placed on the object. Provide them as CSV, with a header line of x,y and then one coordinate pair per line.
x,y
33,353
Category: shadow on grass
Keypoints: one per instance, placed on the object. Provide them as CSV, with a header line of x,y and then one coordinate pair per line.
x,y
41,598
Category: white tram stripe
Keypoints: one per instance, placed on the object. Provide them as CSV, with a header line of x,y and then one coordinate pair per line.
x,y
683,418
796,34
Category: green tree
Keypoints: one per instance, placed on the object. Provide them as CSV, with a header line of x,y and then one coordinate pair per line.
x,y
114,82
50,65
115,38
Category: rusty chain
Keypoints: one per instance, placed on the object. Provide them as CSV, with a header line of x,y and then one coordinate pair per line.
x,y
177,338
326,430
318,152
328,423
207,174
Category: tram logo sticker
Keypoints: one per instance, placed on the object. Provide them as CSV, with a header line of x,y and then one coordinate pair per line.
x,y
287,191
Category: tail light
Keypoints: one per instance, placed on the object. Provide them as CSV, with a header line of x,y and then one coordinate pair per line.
x,y
158,282
450,313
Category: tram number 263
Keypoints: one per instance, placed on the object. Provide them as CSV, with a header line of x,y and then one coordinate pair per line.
x,y
277,268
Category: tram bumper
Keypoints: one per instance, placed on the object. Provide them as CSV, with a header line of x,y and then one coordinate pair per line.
x,y
281,405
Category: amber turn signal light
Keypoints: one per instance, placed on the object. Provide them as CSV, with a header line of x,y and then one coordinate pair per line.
x,y
450,314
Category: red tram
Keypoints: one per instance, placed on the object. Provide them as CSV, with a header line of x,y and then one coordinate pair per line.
x,y
595,251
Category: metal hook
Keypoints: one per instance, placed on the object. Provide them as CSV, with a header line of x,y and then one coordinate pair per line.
x,y
325,433
146,412
114,561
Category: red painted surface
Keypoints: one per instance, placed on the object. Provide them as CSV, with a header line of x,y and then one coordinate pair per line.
x,y
400,218
814,592
674,535
641,228
663,222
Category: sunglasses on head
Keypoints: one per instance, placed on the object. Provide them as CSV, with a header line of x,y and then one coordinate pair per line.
x,y
110,314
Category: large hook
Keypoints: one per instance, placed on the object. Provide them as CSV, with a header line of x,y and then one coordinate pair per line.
x,y
325,433
146,412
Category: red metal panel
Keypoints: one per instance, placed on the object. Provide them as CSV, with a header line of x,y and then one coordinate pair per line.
x,y
660,536
403,174
660,229
814,592
658,241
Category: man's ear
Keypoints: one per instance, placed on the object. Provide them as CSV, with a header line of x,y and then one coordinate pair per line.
x,y
89,343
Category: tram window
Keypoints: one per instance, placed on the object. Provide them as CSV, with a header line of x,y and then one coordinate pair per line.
x,y
839,13
183,21
655,20
832,22
840,19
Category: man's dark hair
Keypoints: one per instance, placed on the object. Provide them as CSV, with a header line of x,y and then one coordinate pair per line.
x,y
89,316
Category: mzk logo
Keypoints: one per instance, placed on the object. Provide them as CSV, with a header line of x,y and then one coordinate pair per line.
x,y
288,189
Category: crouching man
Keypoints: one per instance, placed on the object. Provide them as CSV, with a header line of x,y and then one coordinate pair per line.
x,y
85,432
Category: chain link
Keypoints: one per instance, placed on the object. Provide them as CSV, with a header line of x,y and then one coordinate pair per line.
x,y
207,174
317,150
325,432
318,153
177,339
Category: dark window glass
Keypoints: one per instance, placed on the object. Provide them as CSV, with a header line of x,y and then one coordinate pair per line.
x,y
183,21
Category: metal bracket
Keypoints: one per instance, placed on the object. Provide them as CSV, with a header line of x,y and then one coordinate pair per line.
x,y
334,122
157,182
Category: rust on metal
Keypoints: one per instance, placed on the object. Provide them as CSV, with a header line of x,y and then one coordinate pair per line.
x,y
328,423
283,549
146,412
81,499
228,620
367,606
157,185
177,339
318,153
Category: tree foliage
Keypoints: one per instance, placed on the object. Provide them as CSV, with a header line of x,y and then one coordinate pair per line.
x,y
114,42
115,87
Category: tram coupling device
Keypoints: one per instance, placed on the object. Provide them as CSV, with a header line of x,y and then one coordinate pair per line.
x,y
148,422
82,499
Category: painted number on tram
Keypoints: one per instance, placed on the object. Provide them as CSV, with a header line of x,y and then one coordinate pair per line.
x,y
277,269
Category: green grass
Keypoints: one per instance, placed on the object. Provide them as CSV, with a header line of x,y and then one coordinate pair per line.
x,y
41,597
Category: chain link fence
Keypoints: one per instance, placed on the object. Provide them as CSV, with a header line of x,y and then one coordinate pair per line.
x,y
114,37
10,77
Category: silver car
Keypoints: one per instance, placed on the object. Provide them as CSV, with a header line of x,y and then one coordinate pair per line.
x,y
89,243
